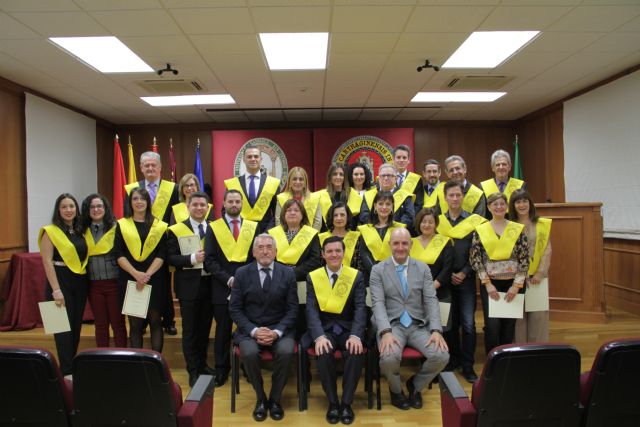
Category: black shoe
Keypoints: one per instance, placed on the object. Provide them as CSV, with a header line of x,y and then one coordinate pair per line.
x,y
346,414
333,413
208,371
219,381
399,401
260,411
415,397
171,330
276,411
192,379
451,366
469,375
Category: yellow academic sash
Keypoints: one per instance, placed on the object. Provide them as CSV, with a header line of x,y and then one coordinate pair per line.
x,y
399,197
499,248
354,202
472,198
437,195
257,212
234,251
65,248
350,242
140,251
332,300
163,197
431,253
181,212
489,186
543,231
104,245
410,182
290,253
181,230
310,203
379,248
462,230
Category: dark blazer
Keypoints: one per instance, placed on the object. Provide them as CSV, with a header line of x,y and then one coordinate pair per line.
x,y
185,282
216,263
268,220
353,317
251,307
441,271
166,217
309,260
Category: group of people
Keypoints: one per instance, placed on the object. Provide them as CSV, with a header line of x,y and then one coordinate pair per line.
x,y
335,269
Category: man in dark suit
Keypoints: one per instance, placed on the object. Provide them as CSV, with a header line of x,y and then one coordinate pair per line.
x,y
227,247
193,287
336,317
258,190
264,306
406,312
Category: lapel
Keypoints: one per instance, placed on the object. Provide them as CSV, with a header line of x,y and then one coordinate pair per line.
x,y
412,277
188,224
255,276
466,188
263,179
391,268
243,185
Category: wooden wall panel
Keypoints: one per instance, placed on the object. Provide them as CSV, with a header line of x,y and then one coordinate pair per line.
x,y
622,274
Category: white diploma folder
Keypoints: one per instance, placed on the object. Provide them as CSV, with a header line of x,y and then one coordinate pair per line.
x,y
190,245
537,297
54,318
506,310
445,308
136,303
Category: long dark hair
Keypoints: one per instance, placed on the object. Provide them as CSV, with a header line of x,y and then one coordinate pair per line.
x,y
368,177
520,194
56,218
344,191
373,215
335,206
108,220
148,216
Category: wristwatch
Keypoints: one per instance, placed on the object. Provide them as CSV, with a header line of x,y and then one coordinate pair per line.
x,y
436,330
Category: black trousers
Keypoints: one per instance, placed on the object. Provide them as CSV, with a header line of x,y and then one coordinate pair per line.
x,y
222,341
197,316
326,365
169,315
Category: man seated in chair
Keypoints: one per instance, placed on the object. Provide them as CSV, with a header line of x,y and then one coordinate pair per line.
x,y
406,312
336,317
264,306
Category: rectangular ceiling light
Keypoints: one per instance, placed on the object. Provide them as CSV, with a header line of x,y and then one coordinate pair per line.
x,y
170,101
105,54
488,49
295,51
457,96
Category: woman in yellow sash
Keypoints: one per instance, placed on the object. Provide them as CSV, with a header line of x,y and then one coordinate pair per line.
x,y
140,249
338,190
179,212
64,257
297,187
339,219
436,251
534,326
500,255
360,178
99,225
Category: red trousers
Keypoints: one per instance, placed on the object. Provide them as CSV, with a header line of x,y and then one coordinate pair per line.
x,y
105,303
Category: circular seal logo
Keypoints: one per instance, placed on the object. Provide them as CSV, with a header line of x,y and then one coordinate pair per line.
x,y
369,150
273,161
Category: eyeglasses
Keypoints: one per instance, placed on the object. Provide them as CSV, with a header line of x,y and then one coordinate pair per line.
x,y
96,207
387,176
191,185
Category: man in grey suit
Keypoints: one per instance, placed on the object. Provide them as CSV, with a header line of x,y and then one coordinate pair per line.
x,y
406,312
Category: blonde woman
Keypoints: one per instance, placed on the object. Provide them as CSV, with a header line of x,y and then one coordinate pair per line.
x,y
179,212
297,188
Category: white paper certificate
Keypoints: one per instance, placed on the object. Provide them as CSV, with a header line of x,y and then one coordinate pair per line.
x,y
190,245
54,318
537,297
136,303
445,308
506,310
302,292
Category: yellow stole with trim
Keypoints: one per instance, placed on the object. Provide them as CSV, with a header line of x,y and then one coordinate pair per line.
x,y
437,196
433,250
499,248
410,182
139,251
257,212
399,197
181,212
472,198
310,203
379,248
350,242
543,232
163,197
102,246
462,230
181,230
65,248
332,299
354,202
290,253
234,251
489,186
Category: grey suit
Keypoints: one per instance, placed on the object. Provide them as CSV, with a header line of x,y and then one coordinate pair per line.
x,y
421,302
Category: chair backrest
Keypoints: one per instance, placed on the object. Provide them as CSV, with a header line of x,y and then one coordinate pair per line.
x,y
529,384
32,391
123,387
611,391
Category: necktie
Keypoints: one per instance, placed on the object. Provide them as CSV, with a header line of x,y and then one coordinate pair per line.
x,y
336,328
266,284
334,277
405,319
252,190
201,231
429,190
501,186
400,179
96,227
152,191
234,229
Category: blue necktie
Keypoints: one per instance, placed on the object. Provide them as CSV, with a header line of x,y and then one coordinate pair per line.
x,y
201,231
405,319
336,328
252,191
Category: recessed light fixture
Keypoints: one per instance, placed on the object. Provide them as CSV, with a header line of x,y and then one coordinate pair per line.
x,y
488,49
170,101
457,96
105,54
295,51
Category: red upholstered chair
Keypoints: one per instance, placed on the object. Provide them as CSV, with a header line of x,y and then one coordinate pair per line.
x,y
520,384
134,387
609,392
34,393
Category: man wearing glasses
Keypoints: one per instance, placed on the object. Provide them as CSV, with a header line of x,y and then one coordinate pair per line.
x,y
403,210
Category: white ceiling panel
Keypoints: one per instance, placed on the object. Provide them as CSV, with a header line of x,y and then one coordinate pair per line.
x,y
177,45
362,43
299,88
291,19
564,42
633,25
138,22
177,4
95,5
430,45
362,19
596,18
447,19
263,3
227,44
38,5
617,42
350,79
523,18
234,20
10,28
61,24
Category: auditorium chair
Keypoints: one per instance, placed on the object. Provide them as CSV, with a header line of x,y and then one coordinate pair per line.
x,y
520,385
609,392
133,387
34,393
